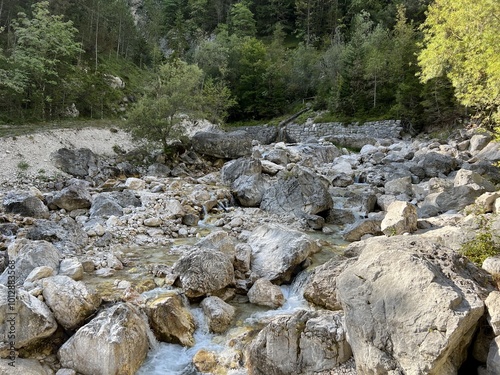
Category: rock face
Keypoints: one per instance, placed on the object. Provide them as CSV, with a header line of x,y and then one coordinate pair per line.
x,y
277,252
25,204
303,343
115,342
203,271
219,313
402,313
33,320
297,191
71,301
171,320
230,145
32,254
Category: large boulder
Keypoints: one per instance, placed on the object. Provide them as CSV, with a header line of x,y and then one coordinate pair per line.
x,y
28,319
79,163
297,191
411,306
67,235
72,197
401,218
170,318
265,293
436,164
29,255
115,342
234,169
219,314
358,229
306,342
203,271
110,204
493,362
71,301
25,204
249,190
278,252
321,286
231,145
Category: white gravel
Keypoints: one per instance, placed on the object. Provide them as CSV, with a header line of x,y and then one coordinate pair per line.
x,y
28,156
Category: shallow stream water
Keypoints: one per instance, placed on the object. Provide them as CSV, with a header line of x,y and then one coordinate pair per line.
x,y
173,359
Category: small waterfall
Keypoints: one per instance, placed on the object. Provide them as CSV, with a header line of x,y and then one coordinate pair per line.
x,y
174,359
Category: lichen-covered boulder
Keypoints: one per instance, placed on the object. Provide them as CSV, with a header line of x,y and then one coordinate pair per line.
x,y
203,271
71,301
115,342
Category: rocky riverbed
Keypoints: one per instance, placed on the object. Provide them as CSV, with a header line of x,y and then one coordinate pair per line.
x,y
250,255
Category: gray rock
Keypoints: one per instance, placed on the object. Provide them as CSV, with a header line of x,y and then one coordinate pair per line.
x,y
159,170
203,271
277,156
73,197
24,366
31,254
321,286
493,361
357,230
493,307
232,170
71,268
401,218
32,318
265,293
297,191
411,306
78,163
249,190
399,186
306,342
277,252
170,319
114,342
479,141
474,180
456,198
25,204
492,265
66,234
231,145
71,301
436,164
111,204
219,313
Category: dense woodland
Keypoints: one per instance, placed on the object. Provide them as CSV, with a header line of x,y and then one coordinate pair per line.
x,y
422,61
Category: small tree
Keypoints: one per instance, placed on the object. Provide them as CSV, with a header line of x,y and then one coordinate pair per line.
x,y
174,94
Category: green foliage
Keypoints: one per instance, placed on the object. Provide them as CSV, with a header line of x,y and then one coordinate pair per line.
x,y
242,22
174,94
462,42
39,68
483,245
23,165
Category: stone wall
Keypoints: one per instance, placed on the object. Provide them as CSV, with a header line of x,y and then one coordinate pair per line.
x,y
347,135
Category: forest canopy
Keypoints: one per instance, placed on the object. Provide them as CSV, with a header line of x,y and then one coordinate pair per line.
x,y
422,61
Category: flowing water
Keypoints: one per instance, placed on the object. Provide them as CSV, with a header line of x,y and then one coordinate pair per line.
x,y
173,359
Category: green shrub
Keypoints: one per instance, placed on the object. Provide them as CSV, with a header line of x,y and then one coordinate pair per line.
x,y
483,245
23,165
